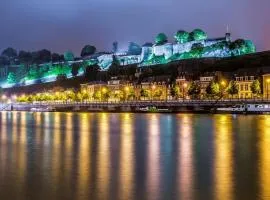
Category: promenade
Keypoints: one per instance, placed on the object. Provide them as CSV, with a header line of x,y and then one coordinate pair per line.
x,y
132,106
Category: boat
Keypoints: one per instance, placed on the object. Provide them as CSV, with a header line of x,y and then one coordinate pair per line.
x,y
154,109
246,109
44,109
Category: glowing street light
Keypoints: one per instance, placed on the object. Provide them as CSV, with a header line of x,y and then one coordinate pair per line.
x,y
104,90
223,83
4,97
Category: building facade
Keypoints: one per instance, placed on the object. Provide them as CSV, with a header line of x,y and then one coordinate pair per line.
x,y
244,86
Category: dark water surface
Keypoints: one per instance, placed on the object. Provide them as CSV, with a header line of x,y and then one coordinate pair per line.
x,y
133,156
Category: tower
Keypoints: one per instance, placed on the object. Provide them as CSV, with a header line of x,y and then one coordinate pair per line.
x,y
228,35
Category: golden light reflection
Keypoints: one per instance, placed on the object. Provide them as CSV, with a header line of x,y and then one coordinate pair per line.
x,y
68,149
223,160
126,157
103,160
186,157
153,157
22,150
264,154
84,156
3,143
56,151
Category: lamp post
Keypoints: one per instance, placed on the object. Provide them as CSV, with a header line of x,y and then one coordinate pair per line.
x,y
184,90
223,85
127,91
153,89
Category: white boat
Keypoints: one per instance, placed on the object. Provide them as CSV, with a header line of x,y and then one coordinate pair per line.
x,y
154,109
247,108
46,109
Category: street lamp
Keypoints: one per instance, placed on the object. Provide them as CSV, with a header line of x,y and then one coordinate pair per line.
x,y
184,90
223,84
153,88
127,91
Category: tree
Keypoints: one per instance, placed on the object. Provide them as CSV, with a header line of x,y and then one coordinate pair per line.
x,y
175,91
69,56
197,35
161,38
88,50
25,57
91,72
256,87
144,93
181,36
194,89
11,77
4,61
114,69
213,89
10,53
75,69
57,57
196,50
158,93
232,88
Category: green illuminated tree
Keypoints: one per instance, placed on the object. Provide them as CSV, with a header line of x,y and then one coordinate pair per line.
x,y
213,89
88,50
256,87
161,38
182,36
197,35
11,77
232,88
175,91
69,56
194,89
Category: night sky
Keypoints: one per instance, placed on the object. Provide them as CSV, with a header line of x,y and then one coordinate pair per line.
x,y
60,25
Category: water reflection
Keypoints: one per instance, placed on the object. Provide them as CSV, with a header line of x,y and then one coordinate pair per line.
x,y
84,156
185,158
153,157
264,153
128,156
223,159
126,161
103,156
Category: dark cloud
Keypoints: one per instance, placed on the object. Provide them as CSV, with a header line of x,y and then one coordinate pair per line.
x,y
69,24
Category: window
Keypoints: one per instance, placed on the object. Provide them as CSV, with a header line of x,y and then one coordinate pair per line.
x,y
241,87
246,87
246,78
241,78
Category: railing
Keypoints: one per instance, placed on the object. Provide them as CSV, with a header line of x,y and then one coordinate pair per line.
x,y
148,102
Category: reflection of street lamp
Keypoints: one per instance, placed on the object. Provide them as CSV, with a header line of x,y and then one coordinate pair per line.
x,y
267,84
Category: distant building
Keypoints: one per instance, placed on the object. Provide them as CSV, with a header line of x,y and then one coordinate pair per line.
x,y
266,86
244,86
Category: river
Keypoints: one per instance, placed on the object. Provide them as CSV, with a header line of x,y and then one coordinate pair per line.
x,y
77,156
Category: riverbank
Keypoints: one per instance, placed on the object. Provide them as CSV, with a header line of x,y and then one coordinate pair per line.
x,y
233,107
